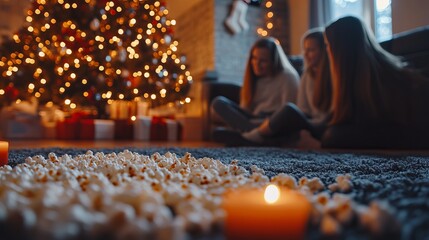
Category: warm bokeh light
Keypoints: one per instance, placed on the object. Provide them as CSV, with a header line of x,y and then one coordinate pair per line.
x,y
272,194
269,25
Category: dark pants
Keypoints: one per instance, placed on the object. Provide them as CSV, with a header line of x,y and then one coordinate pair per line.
x,y
233,115
290,119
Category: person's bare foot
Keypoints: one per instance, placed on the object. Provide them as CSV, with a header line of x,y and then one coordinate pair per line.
x,y
253,135
264,129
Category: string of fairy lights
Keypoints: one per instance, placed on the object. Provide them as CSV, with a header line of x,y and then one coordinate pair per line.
x,y
125,52
264,31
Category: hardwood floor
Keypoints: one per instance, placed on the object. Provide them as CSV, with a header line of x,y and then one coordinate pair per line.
x,y
36,143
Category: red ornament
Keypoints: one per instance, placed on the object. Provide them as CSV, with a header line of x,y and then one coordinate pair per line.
x,y
170,30
135,81
91,95
11,93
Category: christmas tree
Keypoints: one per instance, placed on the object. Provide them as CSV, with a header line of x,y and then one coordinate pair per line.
x,y
90,52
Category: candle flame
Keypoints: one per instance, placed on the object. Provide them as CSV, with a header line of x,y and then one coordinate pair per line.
x,y
272,194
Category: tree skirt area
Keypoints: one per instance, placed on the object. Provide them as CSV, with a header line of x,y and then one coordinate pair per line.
x,y
176,193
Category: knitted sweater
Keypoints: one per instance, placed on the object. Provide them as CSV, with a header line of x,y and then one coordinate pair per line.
x,y
305,100
273,92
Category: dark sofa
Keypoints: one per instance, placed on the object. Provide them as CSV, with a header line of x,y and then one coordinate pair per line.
x,y
412,45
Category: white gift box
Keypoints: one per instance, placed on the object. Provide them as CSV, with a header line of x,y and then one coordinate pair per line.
x,y
172,130
156,129
104,129
97,129
142,128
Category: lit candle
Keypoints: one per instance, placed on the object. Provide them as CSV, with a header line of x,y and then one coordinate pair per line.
x,y
4,153
271,214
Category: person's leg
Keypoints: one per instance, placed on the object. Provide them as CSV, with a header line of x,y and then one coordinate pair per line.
x,y
287,120
283,122
318,130
231,114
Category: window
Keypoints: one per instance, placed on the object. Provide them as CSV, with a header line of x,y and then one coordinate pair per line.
x,y
380,19
341,8
383,19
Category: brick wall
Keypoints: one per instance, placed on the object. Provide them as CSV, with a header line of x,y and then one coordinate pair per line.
x,y
196,35
232,51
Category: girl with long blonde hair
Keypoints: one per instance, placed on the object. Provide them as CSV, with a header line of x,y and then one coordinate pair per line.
x,y
269,82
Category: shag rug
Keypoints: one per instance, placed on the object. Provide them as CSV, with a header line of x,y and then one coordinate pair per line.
x,y
401,180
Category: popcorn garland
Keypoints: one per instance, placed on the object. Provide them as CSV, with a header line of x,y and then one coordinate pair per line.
x,y
131,196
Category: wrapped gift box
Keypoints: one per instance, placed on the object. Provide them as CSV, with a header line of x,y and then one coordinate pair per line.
x,y
18,125
124,129
96,129
50,115
192,127
142,108
121,109
67,129
49,130
21,120
156,129
142,128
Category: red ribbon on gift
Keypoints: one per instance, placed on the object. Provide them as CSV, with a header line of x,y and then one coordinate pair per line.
x,y
87,129
68,129
158,129
81,115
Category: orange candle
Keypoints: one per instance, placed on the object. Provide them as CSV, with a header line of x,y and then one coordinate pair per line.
x,y
4,153
270,213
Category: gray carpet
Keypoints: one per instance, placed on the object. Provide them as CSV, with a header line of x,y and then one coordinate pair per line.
x,y
400,179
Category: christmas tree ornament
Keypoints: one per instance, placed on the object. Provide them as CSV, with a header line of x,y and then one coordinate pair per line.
x,y
122,55
95,24
167,39
11,93
125,73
